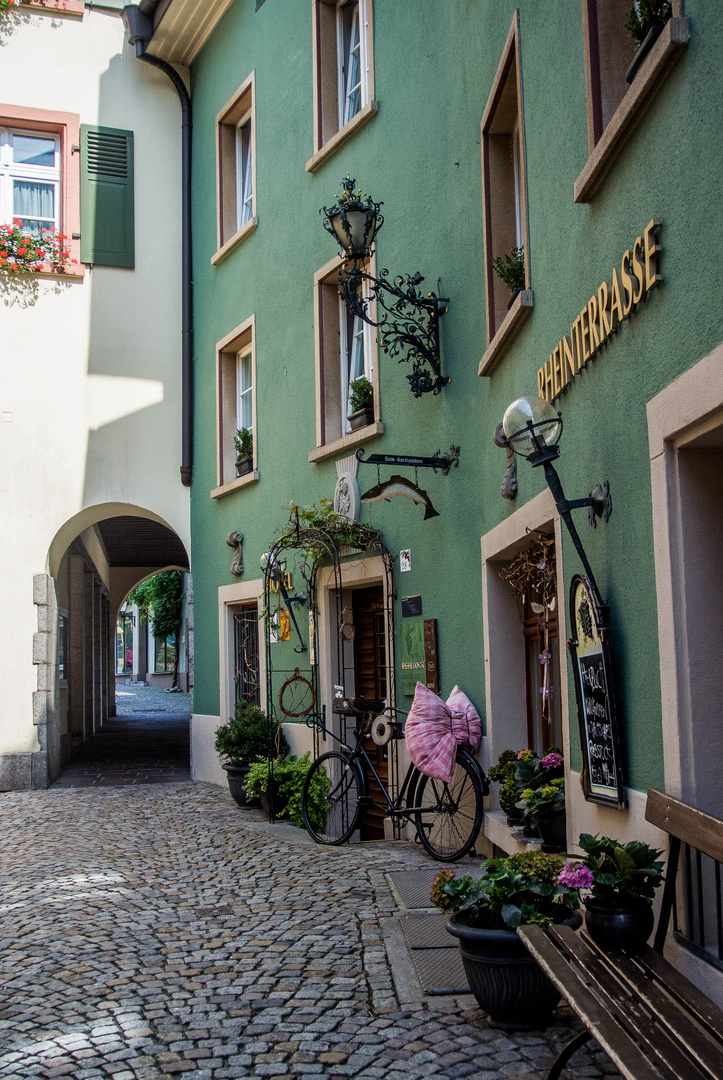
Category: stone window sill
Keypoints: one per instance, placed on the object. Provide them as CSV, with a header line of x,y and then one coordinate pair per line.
x,y
498,832
331,145
651,76
234,485
354,438
507,332
234,241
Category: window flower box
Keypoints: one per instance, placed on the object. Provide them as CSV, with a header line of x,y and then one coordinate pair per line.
x,y
24,252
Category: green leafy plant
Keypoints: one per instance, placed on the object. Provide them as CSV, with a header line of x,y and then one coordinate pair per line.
x,y
511,268
320,524
644,15
623,874
361,394
243,440
159,600
510,893
504,770
288,775
540,804
508,797
248,735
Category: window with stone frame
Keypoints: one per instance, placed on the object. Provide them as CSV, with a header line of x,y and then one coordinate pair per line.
x,y
236,170
235,406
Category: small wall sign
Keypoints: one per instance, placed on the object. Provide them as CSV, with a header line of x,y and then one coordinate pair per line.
x,y
405,560
411,605
602,777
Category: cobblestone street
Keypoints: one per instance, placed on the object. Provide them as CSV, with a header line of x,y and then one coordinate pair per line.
x,y
158,929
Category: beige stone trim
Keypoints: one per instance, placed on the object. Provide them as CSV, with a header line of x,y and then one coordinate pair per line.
x,y
355,438
362,118
234,485
521,308
653,72
226,350
686,409
237,110
235,240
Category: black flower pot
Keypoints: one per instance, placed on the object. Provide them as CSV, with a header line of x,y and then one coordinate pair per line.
x,y
271,802
531,830
619,927
244,466
553,831
236,776
361,418
642,51
514,818
506,980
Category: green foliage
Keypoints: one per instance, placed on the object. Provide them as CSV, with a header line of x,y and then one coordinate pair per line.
x,y
160,601
289,774
249,734
243,440
511,268
504,770
623,873
361,394
510,893
508,797
644,15
540,804
319,524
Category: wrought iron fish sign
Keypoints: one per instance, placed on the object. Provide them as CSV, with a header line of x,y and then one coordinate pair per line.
x,y
398,485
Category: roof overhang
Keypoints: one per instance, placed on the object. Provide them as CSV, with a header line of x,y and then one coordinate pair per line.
x,y
182,27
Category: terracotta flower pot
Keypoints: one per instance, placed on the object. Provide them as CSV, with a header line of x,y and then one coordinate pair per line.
x,y
506,980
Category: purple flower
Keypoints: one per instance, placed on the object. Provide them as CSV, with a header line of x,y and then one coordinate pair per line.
x,y
576,876
545,656
547,692
552,760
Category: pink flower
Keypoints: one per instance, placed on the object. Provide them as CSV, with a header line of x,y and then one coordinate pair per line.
x,y
552,760
576,876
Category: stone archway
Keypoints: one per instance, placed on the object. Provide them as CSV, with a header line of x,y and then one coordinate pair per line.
x,y
94,560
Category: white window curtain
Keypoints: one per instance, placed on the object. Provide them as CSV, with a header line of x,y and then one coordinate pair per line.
x,y
356,354
245,391
353,59
244,174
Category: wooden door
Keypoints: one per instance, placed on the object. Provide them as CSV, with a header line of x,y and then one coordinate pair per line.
x,y
370,681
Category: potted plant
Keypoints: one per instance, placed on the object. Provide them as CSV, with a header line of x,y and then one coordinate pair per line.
x,y
511,270
243,440
361,403
623,881
278,785
542,801
248,735
504,773
484,915
646,20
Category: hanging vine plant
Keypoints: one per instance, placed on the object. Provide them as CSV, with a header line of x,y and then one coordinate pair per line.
x,y
313,528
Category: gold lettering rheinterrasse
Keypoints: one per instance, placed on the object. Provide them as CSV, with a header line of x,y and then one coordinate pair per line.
x,y
630,283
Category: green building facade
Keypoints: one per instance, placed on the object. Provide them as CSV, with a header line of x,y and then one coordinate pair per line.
x,y
482,126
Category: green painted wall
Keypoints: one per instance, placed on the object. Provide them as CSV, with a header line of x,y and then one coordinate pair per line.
x,y
434,67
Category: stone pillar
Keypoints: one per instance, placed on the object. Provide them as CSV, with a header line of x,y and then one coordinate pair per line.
x,y
45,765
76,650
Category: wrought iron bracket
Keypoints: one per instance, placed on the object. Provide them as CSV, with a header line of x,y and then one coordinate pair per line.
x,y
409,325
443,462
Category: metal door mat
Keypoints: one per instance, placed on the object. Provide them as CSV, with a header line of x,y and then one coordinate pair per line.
x,y
413,886
435,955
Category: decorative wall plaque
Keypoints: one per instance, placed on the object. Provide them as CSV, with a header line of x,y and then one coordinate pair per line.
x,y
235,540
602,776
347,501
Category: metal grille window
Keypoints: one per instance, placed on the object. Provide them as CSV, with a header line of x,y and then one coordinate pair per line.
x,y
246,654
30,179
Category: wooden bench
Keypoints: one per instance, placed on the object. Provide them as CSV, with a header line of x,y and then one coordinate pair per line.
x,y
651,1020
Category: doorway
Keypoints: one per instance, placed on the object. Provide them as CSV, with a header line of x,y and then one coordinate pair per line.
x,y
370,681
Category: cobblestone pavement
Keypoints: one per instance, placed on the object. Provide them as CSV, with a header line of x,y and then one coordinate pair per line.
x,y
159,930
146,743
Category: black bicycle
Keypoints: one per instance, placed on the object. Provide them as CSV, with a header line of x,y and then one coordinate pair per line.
x,y
447,816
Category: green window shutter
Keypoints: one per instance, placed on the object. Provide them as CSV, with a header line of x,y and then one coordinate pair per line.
x,y
106,196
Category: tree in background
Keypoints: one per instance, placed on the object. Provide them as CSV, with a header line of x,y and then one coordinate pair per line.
x,y
159,600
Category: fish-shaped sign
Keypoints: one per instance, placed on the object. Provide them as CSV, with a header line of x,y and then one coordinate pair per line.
x,y
399,485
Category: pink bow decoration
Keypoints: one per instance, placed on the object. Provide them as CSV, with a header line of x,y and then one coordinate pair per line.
x,y
434,729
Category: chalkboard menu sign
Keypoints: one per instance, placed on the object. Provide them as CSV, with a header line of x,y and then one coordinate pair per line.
x,y
595,693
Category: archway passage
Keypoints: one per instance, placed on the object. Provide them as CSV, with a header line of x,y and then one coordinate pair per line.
x,y
114,725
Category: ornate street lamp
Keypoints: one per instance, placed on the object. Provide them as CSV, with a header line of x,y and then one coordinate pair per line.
x,y
533,429
409,325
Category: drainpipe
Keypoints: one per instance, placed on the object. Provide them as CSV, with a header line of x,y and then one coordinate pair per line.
x,y
139,30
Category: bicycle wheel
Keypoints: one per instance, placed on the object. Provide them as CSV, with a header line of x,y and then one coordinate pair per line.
x,y
451,816
331,798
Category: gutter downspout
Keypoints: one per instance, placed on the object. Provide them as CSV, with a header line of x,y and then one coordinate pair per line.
x,y
140,39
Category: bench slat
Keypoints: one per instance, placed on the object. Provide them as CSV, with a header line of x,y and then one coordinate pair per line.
x,y
669,1011
623,1001
625,1053
701,1007
700,830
